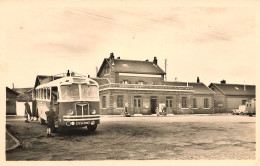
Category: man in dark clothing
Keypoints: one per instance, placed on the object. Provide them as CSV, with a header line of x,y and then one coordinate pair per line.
x,y
34,111
50,121
27,111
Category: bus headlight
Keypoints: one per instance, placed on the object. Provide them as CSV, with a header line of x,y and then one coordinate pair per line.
x,y
93,112
70,112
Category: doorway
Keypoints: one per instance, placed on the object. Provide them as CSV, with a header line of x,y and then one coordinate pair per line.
x,y
153,104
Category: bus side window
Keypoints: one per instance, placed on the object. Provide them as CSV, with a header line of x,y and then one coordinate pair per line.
x,y
41,94
48,93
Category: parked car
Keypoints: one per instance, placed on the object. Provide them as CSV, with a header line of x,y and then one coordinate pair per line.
x,y
240,111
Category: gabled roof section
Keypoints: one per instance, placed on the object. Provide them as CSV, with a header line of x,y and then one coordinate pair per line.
x,y
132,66
23,90
12,91
40,79
101,81
235,89
199,88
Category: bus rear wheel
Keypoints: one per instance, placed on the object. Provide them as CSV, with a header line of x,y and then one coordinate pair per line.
x,y
92,127
42,121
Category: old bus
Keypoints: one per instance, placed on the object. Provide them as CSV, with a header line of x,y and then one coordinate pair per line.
x,y
75,101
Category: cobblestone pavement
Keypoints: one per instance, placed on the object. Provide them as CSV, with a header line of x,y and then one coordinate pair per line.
x,y
141,138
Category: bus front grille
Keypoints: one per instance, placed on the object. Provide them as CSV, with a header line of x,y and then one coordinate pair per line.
x,y
82,109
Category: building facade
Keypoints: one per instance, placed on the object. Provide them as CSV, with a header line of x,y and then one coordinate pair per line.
x,y
11,96
230,96
202,101
139,87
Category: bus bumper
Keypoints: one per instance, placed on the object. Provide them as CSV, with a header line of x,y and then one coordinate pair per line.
x,y
80,122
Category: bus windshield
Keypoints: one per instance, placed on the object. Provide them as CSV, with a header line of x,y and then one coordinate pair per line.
x,y
70,92
89,92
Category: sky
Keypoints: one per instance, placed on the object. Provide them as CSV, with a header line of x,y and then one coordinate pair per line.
x,y
210,42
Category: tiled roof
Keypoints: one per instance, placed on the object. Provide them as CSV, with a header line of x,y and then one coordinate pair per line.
x,y
12,91
199,88
101,81
133,66
23,90
235,89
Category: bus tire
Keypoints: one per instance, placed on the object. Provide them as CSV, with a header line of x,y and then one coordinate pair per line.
x,y
54,130
92,127
42,121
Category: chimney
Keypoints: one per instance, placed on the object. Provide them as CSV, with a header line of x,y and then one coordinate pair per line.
x,y
112,56
198,80
68,73
13,85
223,82
155,60
244,86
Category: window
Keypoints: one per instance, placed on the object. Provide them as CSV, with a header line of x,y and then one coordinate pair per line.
x,y
41,93
243,102
206,103
45,93
184,102
140,82
195,103
169,102
37,93
70,92
48,93
89,92
119,101
104,101
137,101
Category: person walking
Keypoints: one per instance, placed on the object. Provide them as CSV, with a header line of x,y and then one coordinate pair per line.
x,y
50,121
157,112
27,111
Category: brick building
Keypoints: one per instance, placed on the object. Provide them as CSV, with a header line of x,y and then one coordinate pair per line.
x,y
140,86
202,101
230,96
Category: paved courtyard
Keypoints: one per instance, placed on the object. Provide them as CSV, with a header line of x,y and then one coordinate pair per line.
x,y
182,137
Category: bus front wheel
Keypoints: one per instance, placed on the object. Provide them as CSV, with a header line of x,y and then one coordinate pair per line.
x,y
92,127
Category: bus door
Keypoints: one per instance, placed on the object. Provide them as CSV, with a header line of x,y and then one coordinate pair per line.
x,y
54,99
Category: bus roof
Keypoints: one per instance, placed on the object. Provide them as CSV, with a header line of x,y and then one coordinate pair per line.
x,y
68,81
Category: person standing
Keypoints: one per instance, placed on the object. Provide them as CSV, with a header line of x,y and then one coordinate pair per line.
x,y
50,121
27,111
34,111
157,112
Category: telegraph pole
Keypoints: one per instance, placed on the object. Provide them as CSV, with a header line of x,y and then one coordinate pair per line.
x,y
165,69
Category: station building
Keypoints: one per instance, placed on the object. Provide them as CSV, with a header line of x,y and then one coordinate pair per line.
x,y
139,86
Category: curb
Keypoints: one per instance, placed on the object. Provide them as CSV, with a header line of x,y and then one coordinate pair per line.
x,y
18,143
